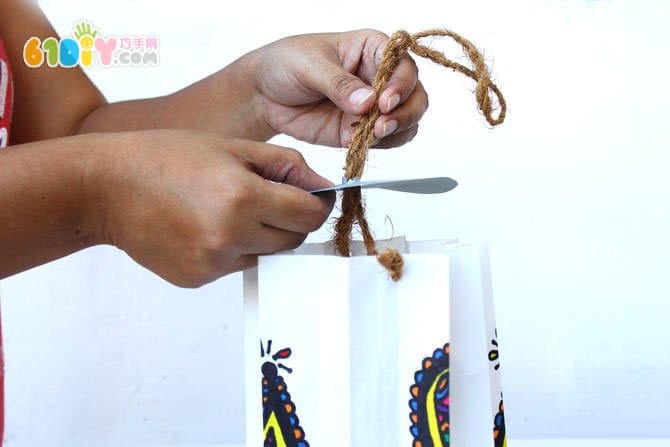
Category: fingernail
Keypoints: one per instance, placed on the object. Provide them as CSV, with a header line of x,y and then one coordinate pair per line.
x,y
359,96
389,127
393,101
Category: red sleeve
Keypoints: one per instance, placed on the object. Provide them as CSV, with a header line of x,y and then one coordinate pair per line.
x,y
5,120
6,97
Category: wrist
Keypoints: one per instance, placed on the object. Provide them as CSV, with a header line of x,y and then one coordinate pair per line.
x,y
97,173
247,70
227,103
47,195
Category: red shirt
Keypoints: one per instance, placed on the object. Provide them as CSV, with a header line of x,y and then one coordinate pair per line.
x,y
6,99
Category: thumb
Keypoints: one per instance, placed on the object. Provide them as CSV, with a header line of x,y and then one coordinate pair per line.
x,y
345,90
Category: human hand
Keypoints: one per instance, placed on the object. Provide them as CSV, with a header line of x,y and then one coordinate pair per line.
x,y
192,206
312,87
315,86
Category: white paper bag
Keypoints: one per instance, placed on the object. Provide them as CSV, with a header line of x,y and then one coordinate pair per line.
x,y
338,354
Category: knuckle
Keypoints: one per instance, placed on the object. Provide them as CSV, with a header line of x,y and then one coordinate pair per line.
x,y
295,157
205,234
202,263
210,236
383,37
342,83
240,197
372,33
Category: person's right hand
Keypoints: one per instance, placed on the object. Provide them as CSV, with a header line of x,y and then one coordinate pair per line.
x,y
192,206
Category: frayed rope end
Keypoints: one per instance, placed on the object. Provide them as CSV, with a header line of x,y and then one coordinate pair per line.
x,y
392,261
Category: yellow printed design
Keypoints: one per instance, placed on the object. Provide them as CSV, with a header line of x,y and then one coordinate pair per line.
x,y
499,435
281,426
430,401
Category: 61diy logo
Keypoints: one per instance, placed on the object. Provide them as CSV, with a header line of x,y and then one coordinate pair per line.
x,y
85,44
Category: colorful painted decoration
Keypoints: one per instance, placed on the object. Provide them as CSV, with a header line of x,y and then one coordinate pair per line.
x,y
499,435
493,353
430,401
281,426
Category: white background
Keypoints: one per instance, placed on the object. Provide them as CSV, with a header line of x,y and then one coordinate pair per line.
x,y
571,191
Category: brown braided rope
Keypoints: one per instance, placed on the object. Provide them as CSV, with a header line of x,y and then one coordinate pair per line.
x,y
353,210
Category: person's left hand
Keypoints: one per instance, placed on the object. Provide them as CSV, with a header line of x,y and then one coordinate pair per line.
x,y
312,87
315,86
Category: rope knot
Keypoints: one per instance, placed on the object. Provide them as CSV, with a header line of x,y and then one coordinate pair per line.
x,y
392,260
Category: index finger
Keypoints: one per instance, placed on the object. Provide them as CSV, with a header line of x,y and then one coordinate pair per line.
x,y
278,164
282,184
